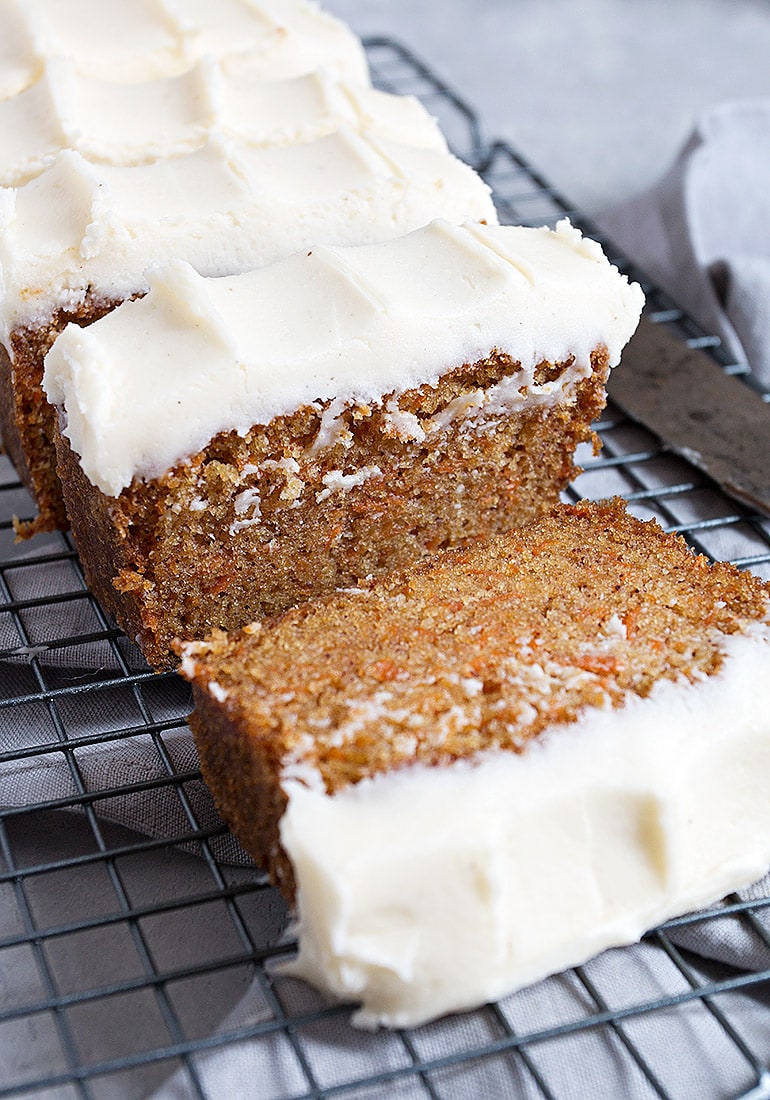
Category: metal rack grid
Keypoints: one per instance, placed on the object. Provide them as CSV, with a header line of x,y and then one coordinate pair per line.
x,y
129,959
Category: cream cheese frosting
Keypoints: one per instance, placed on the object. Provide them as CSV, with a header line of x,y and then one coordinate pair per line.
x,y
119,123
431,890
353,323
137,40
225,207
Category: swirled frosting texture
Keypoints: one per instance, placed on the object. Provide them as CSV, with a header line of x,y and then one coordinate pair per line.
x,y
226,207
118,123
135,40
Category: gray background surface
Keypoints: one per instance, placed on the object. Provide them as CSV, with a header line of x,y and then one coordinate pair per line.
x,y
599,95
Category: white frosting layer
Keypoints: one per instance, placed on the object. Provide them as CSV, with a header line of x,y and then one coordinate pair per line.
x,y
119,123
155,380
430,890
135,40
224,208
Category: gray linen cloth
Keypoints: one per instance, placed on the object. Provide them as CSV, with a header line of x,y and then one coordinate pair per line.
x,y
705,235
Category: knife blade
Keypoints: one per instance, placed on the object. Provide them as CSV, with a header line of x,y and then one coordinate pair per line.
x,y
697,410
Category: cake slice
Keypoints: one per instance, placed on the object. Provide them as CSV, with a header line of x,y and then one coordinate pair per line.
x,y
487,767
78,239
230,447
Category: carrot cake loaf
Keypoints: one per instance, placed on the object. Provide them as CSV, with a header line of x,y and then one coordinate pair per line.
x,y
232,446
78,238
487,767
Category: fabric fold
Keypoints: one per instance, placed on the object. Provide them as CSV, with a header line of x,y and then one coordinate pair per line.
x,y
703,232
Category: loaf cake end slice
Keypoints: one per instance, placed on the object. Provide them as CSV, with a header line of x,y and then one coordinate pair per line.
x,y
489,766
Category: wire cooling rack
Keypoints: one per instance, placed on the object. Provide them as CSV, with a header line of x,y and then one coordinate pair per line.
x,y
131,962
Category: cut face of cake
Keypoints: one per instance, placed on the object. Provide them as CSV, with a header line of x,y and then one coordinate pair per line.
x,y
489,766
233,446
79,238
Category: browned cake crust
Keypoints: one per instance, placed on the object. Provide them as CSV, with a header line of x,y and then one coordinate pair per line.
x,y
479,648
255,524
27,420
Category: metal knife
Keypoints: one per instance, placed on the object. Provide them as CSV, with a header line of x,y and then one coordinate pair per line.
x,y
710,418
